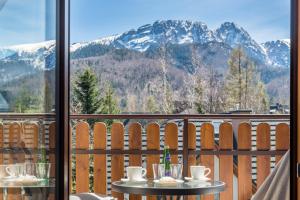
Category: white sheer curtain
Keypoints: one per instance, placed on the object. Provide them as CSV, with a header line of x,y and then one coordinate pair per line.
x,y
277,184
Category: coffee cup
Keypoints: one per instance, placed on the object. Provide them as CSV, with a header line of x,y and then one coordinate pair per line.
x,y
135,173
14,170
199,172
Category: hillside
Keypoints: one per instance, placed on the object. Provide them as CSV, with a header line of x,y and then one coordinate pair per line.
x,y
144,59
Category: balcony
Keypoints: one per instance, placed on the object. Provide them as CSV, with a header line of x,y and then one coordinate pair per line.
x,y
240,149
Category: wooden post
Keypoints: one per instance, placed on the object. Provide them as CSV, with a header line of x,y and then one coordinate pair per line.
x,y
15,133
100,184
282,138
171,139
226,161
135,143
244,162
30,139
191,146
52,142
263,143
153,143
117,161
208,143
82,160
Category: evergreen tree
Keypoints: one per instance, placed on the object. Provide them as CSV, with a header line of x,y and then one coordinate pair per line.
x,y
86,92
26,102
243,87
151,104
234,79
109,105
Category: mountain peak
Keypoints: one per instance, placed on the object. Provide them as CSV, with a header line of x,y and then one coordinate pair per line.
x,y
234,35
163,32
278,52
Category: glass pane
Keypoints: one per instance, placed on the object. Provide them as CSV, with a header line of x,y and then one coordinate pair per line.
x,y
173,57
27,97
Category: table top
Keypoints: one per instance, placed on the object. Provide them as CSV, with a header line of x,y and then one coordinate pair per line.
x,y
16,184
185,188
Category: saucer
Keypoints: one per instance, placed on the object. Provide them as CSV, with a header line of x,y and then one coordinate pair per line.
x,y
190,179
9,178
177,181
126,180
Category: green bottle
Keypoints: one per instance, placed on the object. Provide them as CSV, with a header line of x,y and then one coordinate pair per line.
x,y
167,161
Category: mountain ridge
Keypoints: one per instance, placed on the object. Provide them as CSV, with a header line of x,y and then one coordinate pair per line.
x,y
145,58
162,32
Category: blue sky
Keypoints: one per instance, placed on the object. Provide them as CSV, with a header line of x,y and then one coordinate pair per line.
x,y
24,21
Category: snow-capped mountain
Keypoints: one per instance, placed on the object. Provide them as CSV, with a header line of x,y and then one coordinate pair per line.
x,y
162,32
135,57
186,32
278,52
235,36
179,32
39,55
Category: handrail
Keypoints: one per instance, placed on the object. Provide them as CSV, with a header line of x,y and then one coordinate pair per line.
x,y
179,116
26,115
148,116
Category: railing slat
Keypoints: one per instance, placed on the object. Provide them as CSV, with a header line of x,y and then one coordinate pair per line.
x,y
15,132
171,139
191,146
100,184
30,133
117,161
282,138
15,141
135,142
226,161
52,142
153,143
82,161
207,143
244,162
263,143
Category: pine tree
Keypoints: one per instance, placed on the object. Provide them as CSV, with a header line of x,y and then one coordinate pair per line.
x,y
151,104
243,86
86,92
109,105
26,102
234,79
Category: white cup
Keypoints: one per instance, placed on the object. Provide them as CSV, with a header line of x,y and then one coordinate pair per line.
x,y
135,173
199,172
14,170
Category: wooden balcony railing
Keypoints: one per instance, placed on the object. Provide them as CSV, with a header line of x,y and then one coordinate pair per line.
x,y
241,146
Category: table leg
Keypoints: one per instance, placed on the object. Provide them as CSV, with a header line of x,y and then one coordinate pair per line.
x,y
4,193
179,197
171,197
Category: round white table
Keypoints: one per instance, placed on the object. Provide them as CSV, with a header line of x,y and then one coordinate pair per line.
x,y
179,189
